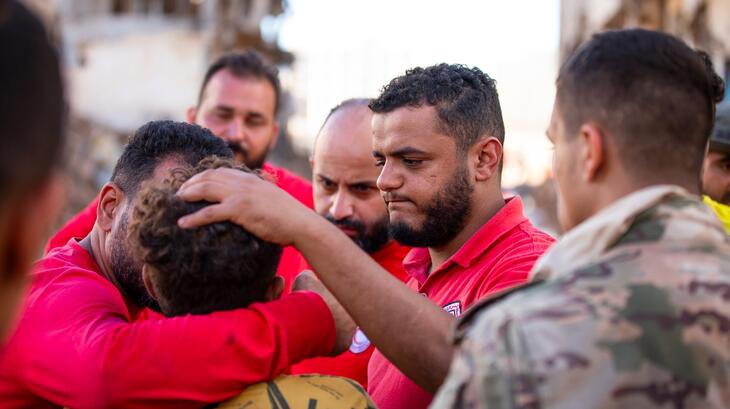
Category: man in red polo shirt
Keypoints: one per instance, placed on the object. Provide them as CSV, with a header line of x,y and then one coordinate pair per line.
x,y
438,136
238,101
346,194
83,341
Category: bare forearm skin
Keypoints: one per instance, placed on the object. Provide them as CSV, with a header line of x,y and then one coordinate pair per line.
x,y
407,328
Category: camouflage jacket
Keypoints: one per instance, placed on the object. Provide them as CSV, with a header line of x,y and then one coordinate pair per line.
x,y
631,309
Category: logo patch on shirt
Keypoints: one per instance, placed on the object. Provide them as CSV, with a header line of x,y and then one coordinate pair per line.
x,y
453,308
360,342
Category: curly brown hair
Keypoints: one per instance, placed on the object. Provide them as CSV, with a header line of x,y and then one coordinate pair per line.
x,y
215,267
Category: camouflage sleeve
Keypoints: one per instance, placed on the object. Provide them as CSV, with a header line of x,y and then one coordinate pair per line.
x,y
491,368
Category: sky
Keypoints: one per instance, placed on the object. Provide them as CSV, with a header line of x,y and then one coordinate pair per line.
x,y
352,48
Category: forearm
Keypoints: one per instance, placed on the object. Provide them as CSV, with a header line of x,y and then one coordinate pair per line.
x,y
191,360
406,327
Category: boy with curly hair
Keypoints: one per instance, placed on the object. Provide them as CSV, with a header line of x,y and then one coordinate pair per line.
x,y
217,267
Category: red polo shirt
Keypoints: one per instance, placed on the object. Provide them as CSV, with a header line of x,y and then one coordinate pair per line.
x,y
353,363
78,344
499,255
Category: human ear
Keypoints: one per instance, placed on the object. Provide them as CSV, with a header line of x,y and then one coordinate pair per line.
x,y
592,151
488,156
110,199
190,114
275,136
148,284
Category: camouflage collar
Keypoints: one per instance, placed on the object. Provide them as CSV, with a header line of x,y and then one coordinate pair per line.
x,y
592,238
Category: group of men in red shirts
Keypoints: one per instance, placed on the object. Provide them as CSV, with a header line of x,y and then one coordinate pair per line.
x,y
407,184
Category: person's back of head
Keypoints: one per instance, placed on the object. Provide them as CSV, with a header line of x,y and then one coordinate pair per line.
x,y
652,94
32,117
216,267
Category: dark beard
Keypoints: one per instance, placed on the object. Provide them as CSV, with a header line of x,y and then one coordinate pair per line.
x,y
446,215
242,155
128,271
369,240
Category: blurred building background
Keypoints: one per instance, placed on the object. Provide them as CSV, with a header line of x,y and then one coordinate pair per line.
x,y
704,24
131,61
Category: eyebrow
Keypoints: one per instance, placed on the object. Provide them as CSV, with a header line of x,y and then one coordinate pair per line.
x,y
359,182
228,109
408,150
323,177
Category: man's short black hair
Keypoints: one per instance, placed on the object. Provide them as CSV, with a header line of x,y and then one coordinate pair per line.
x,y
32,110
245,64
157,141
653,94
465,99
215,267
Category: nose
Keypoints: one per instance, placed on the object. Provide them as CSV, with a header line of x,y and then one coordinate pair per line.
x,y
235,131
342,206
388,179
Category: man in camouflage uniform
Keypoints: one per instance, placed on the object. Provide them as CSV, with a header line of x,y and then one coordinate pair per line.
x,y
631,308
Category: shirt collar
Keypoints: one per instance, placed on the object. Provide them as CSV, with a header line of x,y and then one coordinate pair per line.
x,y
418,261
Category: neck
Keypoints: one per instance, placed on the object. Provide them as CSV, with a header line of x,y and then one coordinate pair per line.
x,y
610,193
93,243
479,216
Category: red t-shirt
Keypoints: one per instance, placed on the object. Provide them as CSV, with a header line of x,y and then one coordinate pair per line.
x,y
81,224
353,363
79,345
499,255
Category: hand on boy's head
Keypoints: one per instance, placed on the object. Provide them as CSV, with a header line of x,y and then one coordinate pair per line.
x,y
245,199
307,281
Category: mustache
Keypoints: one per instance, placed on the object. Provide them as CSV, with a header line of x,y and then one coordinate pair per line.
x,y
348,223
394,197
238,149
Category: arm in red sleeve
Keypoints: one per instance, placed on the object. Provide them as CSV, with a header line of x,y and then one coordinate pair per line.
x,y
80,350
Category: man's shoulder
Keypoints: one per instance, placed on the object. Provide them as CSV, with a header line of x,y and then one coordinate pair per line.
x,y
295,185
606,293
284,176
527,232
67,269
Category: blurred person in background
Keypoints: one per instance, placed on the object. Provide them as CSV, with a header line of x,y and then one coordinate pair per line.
x,y
346,193
87,339
239,99
438,135
716,170
630,309
32,118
